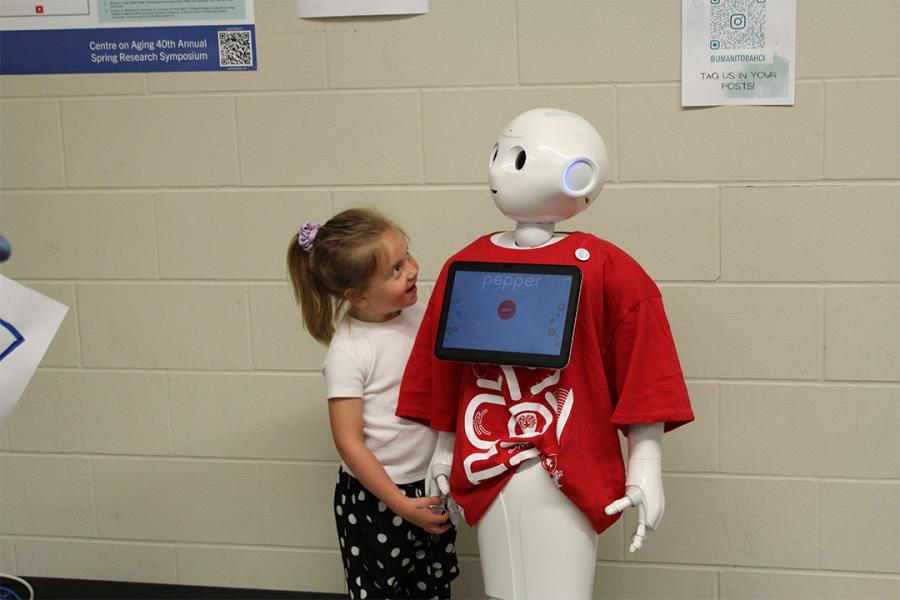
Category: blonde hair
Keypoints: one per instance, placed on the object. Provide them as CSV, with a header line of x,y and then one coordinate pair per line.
x,y
346,253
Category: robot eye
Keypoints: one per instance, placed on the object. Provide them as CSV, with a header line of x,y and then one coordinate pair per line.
x,y
520,160
513,159
494,154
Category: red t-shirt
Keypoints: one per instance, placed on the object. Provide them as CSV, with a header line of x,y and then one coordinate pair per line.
x,y
623,370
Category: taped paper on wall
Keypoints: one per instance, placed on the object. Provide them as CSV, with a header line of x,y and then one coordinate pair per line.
x,y
28,323
312,9
126,36
738,52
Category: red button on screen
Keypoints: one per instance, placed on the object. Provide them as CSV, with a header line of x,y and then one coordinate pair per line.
x,y
506,309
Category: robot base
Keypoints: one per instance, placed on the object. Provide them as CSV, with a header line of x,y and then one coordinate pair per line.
x,y
534,543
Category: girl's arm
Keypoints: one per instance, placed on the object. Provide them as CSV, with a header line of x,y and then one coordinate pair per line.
x,y
347,430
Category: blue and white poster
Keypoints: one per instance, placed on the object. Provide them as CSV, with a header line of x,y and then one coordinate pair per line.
x,y
118,36
28,323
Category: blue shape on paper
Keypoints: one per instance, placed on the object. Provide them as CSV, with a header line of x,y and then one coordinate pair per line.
x,y
18,338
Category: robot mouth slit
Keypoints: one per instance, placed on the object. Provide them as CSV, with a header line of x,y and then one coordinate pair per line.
x,y
493,191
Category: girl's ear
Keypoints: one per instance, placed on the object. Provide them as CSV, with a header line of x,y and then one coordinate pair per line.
x,y
356,300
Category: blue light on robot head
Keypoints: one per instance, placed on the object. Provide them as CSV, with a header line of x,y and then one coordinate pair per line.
x,y
569,168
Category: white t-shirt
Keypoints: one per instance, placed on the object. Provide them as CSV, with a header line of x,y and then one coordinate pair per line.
x,y
366,360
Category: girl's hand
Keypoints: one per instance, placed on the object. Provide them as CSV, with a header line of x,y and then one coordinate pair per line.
x,y
418,512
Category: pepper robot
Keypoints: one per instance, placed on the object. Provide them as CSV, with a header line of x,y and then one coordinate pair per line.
x,y
532,455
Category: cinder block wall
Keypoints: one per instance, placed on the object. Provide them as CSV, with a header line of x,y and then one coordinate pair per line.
x,y
176,431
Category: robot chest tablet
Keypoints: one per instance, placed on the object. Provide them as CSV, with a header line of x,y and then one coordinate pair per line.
x,y
509,314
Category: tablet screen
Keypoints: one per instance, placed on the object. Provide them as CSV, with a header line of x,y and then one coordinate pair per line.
x,y
502,313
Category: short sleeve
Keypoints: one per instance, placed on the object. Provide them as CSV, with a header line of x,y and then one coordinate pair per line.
x,y
344,374
430,389
642,370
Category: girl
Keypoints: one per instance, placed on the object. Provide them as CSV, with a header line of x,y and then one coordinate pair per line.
x,y
392,543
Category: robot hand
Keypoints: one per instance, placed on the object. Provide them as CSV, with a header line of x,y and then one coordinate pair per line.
x,y
437,479
643,485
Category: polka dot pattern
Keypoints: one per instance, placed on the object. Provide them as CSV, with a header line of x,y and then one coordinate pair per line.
x,y
385,556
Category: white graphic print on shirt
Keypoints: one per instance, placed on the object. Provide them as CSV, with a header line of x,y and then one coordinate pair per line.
x,y
506,428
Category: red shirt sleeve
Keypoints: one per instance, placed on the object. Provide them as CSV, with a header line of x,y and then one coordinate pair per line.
x,y
642,369
429,392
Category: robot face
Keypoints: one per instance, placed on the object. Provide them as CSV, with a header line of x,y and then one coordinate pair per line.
x,y
547,165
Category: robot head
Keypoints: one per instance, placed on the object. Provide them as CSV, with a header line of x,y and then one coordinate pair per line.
x,y
547,165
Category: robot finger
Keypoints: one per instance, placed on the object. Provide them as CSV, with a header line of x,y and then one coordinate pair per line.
x,y
443,484
618,506
455,511
639,536
642,515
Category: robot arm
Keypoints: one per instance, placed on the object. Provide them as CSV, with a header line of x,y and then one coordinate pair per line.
x,y
643,485
437,479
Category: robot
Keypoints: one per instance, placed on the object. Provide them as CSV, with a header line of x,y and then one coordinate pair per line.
x,y
531,454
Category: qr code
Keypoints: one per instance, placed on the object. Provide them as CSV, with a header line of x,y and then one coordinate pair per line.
x,y
235,49
737,24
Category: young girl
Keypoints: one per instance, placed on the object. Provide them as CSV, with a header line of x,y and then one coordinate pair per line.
x,y
392,543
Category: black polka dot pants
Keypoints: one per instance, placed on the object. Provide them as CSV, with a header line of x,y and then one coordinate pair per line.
x,y
385,556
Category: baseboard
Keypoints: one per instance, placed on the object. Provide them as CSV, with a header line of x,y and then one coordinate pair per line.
x,y
46,588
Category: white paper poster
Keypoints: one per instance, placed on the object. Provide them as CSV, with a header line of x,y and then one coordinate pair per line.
x,y
312,9
737,52
28,322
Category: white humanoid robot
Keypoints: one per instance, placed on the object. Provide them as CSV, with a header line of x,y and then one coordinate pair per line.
x,y
547,166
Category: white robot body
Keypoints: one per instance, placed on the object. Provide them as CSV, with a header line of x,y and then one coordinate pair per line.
x,y
547,166
535,543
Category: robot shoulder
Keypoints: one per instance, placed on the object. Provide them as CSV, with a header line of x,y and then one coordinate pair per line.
x,y
616,266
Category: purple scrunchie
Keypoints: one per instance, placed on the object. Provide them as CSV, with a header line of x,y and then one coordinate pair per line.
x,y
308,234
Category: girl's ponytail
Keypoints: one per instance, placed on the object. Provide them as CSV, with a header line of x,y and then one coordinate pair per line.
x,y
316,302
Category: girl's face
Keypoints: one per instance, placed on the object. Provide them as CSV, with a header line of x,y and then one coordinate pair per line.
x,y
394,288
